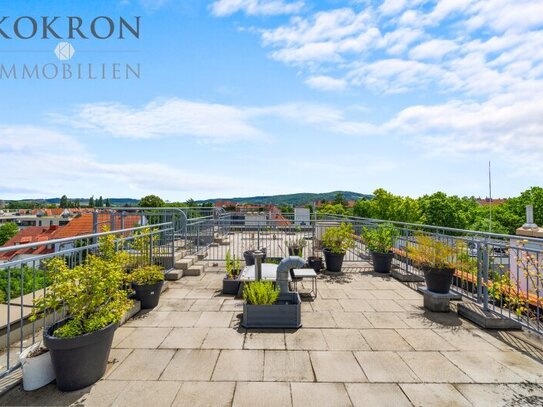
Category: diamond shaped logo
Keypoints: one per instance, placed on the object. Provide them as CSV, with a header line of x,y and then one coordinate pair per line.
x,y
64,51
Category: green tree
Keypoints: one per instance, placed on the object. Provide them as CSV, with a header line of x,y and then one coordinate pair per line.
x,y
91,202
7,231
339,199
64,202
108,204
100,202
336,209
151,201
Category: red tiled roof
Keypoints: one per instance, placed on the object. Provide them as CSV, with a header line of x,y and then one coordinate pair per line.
x,y
83,224
29,235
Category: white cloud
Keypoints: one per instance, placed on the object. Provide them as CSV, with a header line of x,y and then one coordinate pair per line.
x,y
327,83
43,162
433,49
391,7
168,118
221,8
394,75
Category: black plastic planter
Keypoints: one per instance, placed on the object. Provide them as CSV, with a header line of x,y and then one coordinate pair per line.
x,y
148,294
286,313
334,261
80,361
315,263
230,286
382,262
250,258
438,280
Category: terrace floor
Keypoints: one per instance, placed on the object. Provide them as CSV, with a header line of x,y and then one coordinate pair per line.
x,y
365,341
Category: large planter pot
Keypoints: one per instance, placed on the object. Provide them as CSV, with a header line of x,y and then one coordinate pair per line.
x,y
295,251
285,313
80,361
382,262
230,286
315,263
37,370
148,294
438,280
334,261
250,258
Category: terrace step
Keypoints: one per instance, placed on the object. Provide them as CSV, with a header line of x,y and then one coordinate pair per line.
x,y
225,242
486,319
201,256
195,270
173,275
185,263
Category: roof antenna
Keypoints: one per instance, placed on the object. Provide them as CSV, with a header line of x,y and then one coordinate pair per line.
x,y
490,197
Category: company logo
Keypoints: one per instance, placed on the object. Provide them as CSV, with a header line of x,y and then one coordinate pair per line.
x,y
69,30
64,51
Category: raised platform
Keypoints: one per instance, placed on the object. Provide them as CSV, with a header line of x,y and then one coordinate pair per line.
x,y
486,319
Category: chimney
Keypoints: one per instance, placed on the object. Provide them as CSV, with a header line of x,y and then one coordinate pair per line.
x,y
529,218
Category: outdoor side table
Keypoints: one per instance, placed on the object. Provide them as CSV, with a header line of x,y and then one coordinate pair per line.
x,y
300,274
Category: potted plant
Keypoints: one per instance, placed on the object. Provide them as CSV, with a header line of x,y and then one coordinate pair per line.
x,y
316,263
36,366
437,261
91,296
262,309
230,283
249,257
296,247
379,242
336,241
147,282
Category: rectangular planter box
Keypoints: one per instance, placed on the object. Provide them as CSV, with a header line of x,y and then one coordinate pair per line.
x,y
230,286
276,315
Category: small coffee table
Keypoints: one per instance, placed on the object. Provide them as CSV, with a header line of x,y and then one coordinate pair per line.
x,y
300,274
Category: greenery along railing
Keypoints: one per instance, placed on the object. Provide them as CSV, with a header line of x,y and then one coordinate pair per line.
x,y
23,281
502,272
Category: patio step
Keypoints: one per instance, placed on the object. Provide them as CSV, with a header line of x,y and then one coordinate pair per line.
x,y
195,270
185,263
201,256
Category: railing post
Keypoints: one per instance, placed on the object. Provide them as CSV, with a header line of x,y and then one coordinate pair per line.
x,y
485,276
480,262
151,260
197,237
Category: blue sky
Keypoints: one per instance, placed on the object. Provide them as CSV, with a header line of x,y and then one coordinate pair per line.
x,y
250,97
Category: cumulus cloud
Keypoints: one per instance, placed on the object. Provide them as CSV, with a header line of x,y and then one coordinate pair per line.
x,y
323,82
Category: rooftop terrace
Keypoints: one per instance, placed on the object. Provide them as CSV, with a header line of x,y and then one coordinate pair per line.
x,y
366,340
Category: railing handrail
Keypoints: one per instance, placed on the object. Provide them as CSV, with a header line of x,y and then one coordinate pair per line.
x,y
80,237
438,228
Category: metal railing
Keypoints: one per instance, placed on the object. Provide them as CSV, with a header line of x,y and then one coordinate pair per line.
x,y
23,279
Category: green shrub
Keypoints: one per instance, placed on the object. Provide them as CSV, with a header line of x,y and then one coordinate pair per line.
x,y
90,293
30,279
260,293
233,265
380,239
339,239
147,275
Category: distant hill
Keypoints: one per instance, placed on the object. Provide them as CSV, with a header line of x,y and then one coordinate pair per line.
x,y
292,199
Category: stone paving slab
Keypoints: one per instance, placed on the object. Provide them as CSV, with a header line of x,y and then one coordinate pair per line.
x,y
336,366
377,394
289,366
319,395
205,394
191,365
366,341
271,394
434,395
